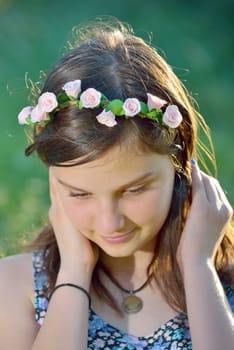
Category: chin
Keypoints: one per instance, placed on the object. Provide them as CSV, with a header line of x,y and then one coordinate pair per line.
x,y
119,252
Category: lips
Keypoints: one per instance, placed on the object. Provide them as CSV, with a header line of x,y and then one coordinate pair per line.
x,y
119,239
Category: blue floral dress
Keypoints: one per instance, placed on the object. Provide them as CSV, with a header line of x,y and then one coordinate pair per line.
x,y
172,335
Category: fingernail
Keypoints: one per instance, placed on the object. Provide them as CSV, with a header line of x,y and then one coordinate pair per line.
x,y
193,161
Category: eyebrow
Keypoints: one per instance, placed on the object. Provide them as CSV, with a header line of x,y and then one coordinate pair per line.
x,y
128,184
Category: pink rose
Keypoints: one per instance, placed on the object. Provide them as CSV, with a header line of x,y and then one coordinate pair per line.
x,y
131,107
155,102
91,98
172,116
107,118
37,115
24,114
47,102
72,88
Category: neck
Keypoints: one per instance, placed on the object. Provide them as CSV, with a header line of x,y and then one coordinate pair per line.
x,y
131,268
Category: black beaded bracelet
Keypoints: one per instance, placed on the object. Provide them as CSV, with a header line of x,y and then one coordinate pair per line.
x,y
74,286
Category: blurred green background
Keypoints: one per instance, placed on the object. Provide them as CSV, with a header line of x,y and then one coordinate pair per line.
x,y
196,37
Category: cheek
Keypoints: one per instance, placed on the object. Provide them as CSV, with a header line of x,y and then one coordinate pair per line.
x,y
77,212
153,207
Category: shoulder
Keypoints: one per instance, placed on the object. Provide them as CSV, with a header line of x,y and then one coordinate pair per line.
x,y
16,275
16,259
16,302
17,266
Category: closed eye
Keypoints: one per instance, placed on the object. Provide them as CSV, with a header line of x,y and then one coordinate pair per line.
x,y
81,195
133,190
136,190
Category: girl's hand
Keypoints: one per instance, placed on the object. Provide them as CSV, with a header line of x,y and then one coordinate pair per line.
x,y
204,228
76,251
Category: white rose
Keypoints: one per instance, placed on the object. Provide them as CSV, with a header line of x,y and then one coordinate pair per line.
x,y
131,107
72,88
172,116
155,102
91,98
106,118
24,114
37,115
47,102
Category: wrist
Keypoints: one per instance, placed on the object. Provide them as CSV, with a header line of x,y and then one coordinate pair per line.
x,y
190,261
76,276
72,285
197,267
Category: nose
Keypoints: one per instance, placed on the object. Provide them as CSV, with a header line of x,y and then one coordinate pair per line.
x,y
109,218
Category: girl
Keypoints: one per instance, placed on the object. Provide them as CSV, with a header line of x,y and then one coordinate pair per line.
x,y
138,253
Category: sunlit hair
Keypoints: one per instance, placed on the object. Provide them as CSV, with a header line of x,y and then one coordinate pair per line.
x,y
111,59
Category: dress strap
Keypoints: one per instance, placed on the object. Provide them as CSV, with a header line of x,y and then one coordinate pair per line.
x,y
229,291
40,285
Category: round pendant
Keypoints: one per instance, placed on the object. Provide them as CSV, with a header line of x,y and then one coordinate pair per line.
x,y
132,304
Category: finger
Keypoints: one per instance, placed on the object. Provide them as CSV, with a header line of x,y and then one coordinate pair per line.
x,y
197,182
223,196
205,185
51,182
215,193
218,202
210,187
56,205
54,195
225,206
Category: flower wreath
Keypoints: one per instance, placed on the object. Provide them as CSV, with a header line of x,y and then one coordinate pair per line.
x,y
48,104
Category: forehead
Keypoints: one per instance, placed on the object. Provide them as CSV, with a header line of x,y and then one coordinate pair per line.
x,y
117,167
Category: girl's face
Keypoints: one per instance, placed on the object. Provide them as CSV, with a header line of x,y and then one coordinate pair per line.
x,y
119,201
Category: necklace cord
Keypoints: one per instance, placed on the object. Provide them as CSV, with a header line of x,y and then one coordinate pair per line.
x,y
129,291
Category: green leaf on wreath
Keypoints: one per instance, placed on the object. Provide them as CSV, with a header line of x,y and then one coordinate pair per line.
x,y
104,98
152,113
63,97
144,108
116,106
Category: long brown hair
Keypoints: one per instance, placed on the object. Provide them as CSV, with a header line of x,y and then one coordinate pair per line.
x,y
113,60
